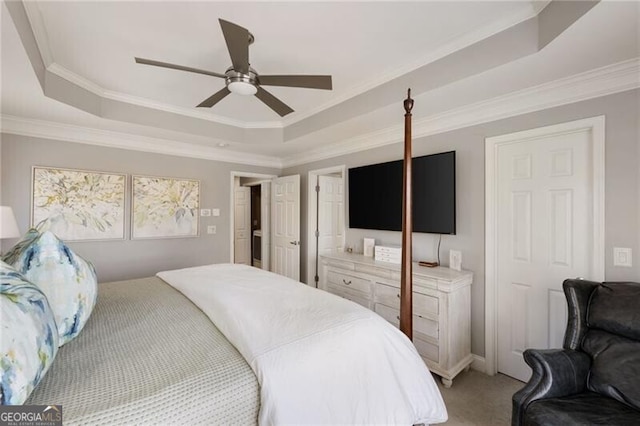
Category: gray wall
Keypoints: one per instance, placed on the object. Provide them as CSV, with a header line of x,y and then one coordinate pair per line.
x,y
116,260
129,259
622,189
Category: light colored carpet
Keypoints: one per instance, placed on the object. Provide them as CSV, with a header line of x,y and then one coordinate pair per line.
x,y
478,399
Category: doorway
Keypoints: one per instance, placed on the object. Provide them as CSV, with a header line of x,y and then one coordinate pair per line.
x,y
285,226
544,223
325,218
250,219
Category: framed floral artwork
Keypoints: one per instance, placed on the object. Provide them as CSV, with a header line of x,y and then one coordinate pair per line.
x,y
164,207
79,205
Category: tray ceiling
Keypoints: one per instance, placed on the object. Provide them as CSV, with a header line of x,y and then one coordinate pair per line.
x,y
453,54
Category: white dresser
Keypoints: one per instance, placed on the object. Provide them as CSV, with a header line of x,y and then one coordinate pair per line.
x,y
441,305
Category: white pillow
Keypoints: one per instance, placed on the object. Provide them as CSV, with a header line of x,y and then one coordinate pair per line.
x,y
28,336
68,281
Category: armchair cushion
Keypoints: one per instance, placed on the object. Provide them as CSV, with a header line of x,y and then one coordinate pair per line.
x,y
615,370
613,342
579,410
614,308
555,373
561,372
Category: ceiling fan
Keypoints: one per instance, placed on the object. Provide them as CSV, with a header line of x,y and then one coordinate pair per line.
x,y
240,78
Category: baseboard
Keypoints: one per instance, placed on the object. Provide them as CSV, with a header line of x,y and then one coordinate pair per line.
x,y
479,363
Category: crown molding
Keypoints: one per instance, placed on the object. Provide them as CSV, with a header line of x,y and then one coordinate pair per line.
x,y
98,90
189,112
91,136
452,45
39,30
73,78
595,83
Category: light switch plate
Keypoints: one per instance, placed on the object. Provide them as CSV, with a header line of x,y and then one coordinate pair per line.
x,y
211,229
216,212
205,212
622,257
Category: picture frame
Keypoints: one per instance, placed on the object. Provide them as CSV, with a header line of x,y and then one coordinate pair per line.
x,y
368,246
164,207
455,260
79,205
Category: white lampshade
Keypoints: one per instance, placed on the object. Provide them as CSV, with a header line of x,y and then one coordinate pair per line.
x,y
8,224
242,88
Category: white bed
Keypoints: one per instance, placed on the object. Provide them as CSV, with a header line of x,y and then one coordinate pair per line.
x,y
318,358
231,344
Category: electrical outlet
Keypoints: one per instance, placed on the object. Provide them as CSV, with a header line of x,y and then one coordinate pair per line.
x,y
211,229
205,212
216,212
622,257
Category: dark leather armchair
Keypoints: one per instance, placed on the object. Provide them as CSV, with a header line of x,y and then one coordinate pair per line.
x,y
595,379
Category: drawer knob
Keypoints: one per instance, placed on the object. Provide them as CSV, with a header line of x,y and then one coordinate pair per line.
x,y
346,282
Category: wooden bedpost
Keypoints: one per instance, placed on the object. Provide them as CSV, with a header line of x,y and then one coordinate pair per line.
x,y
406,275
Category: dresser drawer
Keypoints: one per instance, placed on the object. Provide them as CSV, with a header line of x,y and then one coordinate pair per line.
x,y
425,305
387,295
390,314
426,349
422,304
421,324
425,326
342,280
363,301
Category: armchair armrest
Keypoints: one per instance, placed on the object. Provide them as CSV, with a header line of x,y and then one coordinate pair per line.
x,y
556,373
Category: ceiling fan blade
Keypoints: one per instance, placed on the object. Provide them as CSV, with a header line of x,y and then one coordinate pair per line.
x,y
178,67
215,98
237,39
307,81
272,102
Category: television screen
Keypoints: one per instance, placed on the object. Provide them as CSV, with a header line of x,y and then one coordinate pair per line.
x,y
375,195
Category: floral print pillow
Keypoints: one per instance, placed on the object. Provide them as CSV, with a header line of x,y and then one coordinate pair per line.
x,y
28,336
68,281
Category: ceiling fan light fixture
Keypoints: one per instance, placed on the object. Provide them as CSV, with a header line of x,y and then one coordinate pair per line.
x,y
242,88
240,78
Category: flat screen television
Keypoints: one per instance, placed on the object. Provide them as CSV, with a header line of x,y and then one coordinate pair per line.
x,y
375,195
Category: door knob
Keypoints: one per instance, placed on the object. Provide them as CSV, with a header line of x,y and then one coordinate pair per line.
x,y
295,243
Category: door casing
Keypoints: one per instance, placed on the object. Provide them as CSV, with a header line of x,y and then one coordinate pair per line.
x,y
234,175
242,226
312,212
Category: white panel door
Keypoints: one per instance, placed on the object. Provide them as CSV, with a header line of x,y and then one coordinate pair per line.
x,y
330,214
242,225
544,196
265,199
285,226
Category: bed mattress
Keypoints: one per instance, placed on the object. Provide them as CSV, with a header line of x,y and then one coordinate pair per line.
x,y
149,355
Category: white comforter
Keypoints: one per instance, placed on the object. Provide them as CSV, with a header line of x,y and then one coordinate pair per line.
x,y
319,359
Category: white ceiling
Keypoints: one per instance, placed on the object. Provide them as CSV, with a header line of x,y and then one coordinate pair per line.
x,y
363,45
359,44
